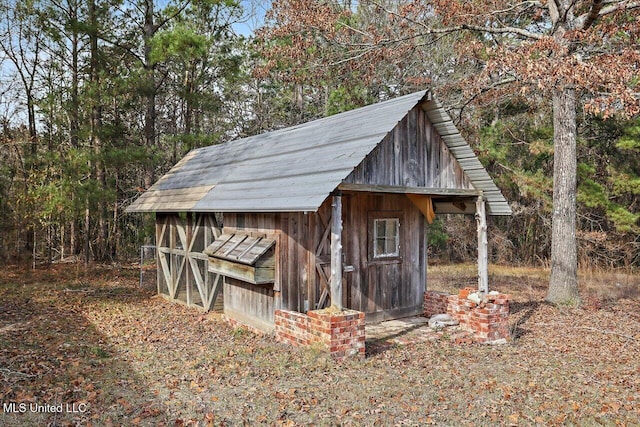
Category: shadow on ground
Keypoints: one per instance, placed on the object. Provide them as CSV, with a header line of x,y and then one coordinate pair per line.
x,y
57,369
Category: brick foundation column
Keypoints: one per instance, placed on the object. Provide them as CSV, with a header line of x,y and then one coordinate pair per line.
x,y
341,333
488,321
435,303
292,327
461,309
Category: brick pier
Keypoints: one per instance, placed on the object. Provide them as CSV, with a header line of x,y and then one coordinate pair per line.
x,y
342,333
488,321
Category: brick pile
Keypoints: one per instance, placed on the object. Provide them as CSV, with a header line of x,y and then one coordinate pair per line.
x,y
488,320
435,303
342,333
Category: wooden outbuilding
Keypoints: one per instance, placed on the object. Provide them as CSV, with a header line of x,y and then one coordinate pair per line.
x,y
330,212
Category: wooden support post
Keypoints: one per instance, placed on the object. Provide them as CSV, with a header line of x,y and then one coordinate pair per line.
x,y
187,273
425,266
336,252
173,261
159,269
483,255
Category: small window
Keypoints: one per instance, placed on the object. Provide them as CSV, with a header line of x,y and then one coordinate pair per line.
x,y
386,238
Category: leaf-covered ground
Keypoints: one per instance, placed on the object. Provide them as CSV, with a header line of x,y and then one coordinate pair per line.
x,y
112,354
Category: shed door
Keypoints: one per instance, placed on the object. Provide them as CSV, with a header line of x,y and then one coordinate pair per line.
x,y
384,248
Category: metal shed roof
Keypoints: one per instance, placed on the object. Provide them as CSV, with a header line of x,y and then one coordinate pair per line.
x,y
496,203
296,168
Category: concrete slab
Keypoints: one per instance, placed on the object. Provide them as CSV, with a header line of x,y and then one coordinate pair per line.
x,y
407,331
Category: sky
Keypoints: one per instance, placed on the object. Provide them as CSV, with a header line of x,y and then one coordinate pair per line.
x,y
255,11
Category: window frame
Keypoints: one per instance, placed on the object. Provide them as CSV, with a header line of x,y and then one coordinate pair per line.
x,y
374,218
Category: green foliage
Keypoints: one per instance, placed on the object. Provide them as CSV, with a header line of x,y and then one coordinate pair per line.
x,y
623,219
517,149
181,42
590,193
99,141
625,183
437,237
346,98
520,156
610,183
630,139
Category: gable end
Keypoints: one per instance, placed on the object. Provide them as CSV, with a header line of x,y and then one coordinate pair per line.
x,y
412,155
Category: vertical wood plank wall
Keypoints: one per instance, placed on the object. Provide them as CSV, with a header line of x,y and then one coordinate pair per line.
x,y
251,304
384,289
412,155
381,290
295,282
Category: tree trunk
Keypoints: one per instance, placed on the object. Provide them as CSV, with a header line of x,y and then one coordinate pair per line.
x,y
97,144
74,114
87,231
563,285
150,114
33,132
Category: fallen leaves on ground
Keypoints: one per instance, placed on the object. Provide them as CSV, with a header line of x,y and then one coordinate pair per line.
x,y
94,341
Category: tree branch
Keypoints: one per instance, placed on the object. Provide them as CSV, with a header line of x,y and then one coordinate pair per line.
x,y
525,4
622,5
586,20
503,30
448,30
123,47
178,11
599,10
554,11
504,81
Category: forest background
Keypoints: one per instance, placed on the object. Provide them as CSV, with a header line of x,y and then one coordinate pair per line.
x,y
99,98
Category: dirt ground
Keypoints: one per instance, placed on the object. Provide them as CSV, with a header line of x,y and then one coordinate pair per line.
x,y
90,348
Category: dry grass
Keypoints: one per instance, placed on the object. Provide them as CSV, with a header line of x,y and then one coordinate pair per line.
x,y
135,359
531,282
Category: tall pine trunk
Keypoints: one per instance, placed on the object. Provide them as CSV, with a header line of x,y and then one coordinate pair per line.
x,y
150,114
563,285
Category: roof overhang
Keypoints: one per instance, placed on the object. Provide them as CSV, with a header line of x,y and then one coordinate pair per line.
x,y
409,190
480,179
296,169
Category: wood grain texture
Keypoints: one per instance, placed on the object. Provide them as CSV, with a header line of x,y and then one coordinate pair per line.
x,y
383,287
182,267
336,253
250,304
412,155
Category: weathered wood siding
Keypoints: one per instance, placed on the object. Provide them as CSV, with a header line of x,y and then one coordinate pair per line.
x,y
319,288
296,286
412,155
295,261
249,304
383,289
